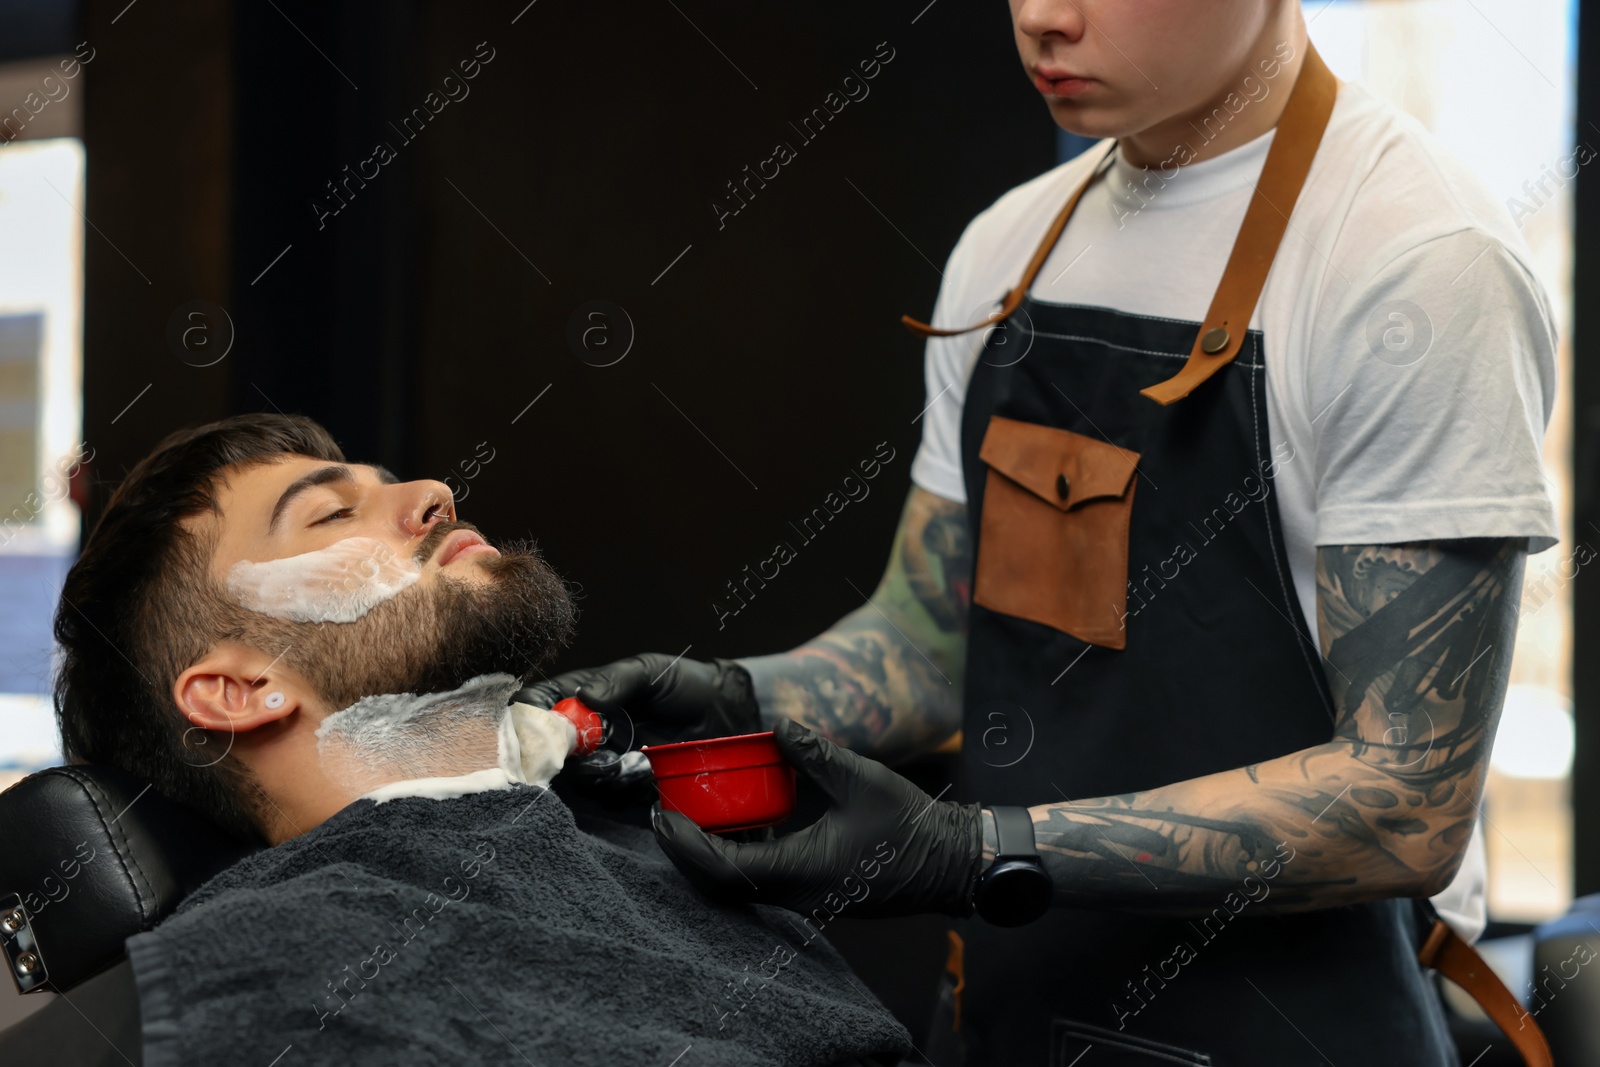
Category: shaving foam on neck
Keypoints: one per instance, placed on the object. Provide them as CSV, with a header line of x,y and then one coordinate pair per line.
x,y
393,737
340,583
443,745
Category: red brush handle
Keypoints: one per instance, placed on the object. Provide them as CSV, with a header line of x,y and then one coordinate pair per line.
x,y
590,726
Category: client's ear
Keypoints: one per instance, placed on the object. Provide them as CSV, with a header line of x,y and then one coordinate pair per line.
x,y
230,689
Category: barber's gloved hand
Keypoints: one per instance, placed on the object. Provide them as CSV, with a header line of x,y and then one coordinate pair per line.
x,y
885,846
666,699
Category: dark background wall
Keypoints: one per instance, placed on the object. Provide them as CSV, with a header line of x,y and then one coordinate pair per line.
x,y
1586,480
158,133
768,360
420,320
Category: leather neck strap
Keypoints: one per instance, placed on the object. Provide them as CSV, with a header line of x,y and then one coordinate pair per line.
x,y
1300,128
1299,132
1013,299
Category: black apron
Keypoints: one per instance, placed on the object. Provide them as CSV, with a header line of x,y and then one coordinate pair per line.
x,y
1204,666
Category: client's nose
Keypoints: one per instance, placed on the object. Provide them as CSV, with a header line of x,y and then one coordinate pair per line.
x,y
426,504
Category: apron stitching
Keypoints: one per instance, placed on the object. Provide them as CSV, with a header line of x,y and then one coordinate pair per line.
x,y
1129,348
1114,311
1094,1039
1272,540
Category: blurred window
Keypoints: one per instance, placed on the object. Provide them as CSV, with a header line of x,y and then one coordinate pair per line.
x,y
41,392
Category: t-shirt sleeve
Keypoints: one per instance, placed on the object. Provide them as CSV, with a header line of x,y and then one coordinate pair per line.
x,y
947,364
1430,401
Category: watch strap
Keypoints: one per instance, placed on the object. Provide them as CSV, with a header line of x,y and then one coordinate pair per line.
x,y
1013,834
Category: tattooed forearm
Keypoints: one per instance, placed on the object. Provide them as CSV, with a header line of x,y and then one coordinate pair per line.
x,y
886,679
1417,643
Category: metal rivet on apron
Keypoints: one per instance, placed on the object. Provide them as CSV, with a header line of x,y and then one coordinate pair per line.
x,y
1214,341
1063,487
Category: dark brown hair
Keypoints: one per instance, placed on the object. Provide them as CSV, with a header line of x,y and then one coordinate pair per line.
x,y
139,606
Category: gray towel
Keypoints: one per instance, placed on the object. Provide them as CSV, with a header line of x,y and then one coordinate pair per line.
x,y
490,928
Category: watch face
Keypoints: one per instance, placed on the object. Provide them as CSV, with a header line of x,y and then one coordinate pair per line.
x,y
1014,893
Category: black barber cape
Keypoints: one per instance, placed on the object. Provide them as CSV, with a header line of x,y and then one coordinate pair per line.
x,y
489,928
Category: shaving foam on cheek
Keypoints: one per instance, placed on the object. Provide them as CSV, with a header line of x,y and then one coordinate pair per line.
x,y
340,583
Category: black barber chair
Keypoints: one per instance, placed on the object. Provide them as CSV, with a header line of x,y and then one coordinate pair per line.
x,y
90,856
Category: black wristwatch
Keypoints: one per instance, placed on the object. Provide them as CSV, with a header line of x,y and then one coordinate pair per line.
x,y
1016,889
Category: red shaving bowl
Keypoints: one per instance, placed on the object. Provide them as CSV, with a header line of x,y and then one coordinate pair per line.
x,y
725,783
591,728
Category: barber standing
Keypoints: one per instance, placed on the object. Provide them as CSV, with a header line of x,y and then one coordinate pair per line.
x,y
1241,481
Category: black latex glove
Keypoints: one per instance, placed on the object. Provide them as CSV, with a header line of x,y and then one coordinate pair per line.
x,y
884,848
653,700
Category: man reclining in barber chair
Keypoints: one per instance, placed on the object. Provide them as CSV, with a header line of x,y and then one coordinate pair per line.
x,y
247,630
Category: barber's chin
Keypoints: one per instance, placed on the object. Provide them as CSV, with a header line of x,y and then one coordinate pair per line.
x,y
1092,120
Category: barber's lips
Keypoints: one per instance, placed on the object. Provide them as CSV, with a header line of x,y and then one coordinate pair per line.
x,y
1060,83
463,544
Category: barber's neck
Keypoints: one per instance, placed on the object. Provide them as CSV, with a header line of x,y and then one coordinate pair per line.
x,y
1197,126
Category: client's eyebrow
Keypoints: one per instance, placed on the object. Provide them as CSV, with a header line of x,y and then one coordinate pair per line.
x,y
321,476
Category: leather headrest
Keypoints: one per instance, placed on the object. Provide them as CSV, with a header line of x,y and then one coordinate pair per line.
x,y
94,855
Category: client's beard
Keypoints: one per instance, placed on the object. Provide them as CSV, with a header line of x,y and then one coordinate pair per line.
x,y
432,637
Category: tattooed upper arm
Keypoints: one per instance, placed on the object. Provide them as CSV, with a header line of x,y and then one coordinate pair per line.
x,y
886,679
932,562
926,586
1417,642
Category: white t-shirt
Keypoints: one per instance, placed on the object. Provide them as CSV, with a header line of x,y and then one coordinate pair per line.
x,y
1410,351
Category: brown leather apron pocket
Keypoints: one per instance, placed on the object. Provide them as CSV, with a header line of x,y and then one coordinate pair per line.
x,y
1053,540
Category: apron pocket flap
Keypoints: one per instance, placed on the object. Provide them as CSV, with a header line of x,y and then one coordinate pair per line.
x,y
1053,530
1060,467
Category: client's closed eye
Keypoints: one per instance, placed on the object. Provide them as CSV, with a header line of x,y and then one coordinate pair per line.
x,y
342,512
